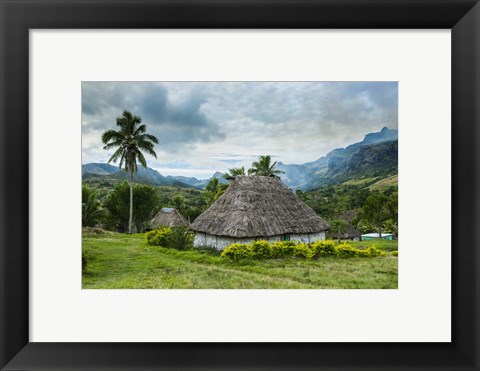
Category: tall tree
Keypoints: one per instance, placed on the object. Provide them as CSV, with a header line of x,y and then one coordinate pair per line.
x,y
375,211
147,201
264,167
130,141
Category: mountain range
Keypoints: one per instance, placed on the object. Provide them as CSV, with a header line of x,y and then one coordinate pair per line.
x,y
145,175
375,156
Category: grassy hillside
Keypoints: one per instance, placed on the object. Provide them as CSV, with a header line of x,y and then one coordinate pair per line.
x,y
385,183
120,261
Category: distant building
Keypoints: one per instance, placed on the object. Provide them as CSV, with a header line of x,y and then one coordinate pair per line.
x,y
375,236
257,208
351,233
168,217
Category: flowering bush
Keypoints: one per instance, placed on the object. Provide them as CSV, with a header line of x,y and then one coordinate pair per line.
x,y
158,237
291,249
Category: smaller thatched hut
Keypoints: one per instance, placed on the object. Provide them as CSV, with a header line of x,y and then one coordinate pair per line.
x,y
168,217
351,232
257,208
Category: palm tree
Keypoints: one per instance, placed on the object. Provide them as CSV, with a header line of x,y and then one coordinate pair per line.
x,y
263,167
129,141
91,208
232,173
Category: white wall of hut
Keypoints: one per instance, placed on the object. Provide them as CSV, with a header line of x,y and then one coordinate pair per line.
x,y
220,242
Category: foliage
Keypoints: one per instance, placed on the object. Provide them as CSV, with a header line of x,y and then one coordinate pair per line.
x,y
339,227
179,202
191,206
261,250
179,238
91,207
330,201
232,173
237,251
130,141
158,237
213,190
322,248
365,226
375,210
264,167
290,249
390,226
394,253
146,204
301,195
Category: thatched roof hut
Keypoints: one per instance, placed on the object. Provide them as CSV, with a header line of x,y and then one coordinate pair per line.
x,y
168,217
351,232
256,207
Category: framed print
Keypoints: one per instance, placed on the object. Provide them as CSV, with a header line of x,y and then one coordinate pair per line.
x,y
243,99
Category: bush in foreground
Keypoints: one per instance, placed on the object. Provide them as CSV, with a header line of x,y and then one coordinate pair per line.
x,y
290,249
179,238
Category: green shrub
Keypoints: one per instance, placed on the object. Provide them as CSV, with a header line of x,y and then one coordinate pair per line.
x,y
261,250
158,237
302,250
179,238
346,250
323,248
394,253
283,249
290,249
237,251
373,251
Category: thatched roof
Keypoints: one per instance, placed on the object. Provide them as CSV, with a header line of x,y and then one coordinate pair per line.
x,y
258,206
168,217
351,232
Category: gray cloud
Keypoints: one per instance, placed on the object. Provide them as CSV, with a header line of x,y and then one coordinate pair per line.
x,y
203,125
176,124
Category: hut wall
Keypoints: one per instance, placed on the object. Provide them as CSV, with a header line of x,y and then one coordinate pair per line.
x,y
220,242
308,238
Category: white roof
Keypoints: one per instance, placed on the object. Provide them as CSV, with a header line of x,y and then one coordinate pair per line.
x,y
376,235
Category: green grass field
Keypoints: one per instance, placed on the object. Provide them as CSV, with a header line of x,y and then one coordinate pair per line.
x,y
119,261
383,245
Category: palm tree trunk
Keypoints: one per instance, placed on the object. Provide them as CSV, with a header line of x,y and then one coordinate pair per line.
x,y
130,217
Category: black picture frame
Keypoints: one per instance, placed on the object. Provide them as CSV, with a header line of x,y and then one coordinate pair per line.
x,y
18,16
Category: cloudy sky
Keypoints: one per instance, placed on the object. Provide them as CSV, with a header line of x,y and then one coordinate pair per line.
x,y
205,127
